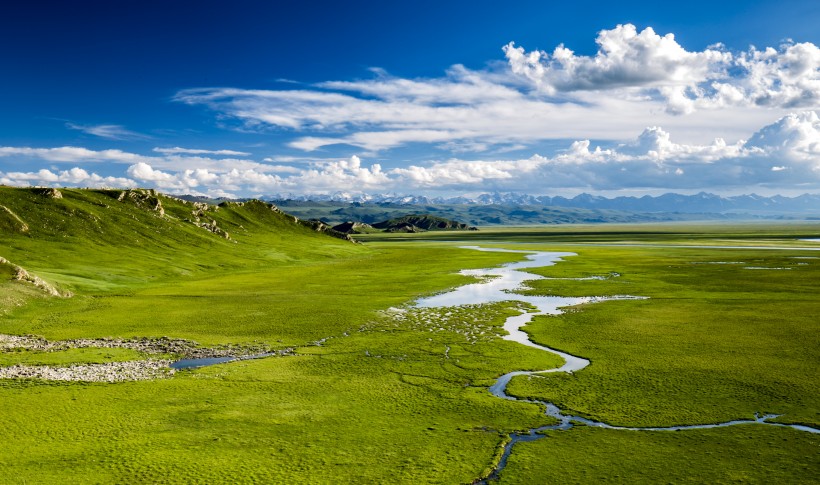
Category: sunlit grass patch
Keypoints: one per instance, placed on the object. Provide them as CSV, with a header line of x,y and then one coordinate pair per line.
x,y
71,356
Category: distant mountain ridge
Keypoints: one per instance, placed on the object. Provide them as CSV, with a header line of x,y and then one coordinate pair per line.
x,y
671,202
423,222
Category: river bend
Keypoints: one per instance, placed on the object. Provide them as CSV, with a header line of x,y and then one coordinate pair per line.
x,y
499,284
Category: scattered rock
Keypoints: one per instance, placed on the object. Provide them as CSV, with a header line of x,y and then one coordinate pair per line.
x,y
17,223
211,226
143,198
49,192
136,370
121,371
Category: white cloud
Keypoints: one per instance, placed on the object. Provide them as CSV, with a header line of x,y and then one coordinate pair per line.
x,y
788,76
110,132
792,137
625,59
650,161
195,151
319,119
322,178
76,176
171,160
637,78
72,154
783,155
629,62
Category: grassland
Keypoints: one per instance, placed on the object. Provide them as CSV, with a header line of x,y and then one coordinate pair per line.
x,y
745,454
397,394
705,316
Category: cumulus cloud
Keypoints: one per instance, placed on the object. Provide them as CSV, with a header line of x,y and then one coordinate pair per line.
x,y
321,178
784,154
625,58
794,137
76,177
637,77
645,62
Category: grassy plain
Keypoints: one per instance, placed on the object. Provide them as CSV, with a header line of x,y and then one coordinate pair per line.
x,y
397,395
383,397
744,454
724,334
715,341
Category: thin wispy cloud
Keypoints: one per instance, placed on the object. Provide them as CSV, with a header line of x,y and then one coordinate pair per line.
x,y
109,132
195,151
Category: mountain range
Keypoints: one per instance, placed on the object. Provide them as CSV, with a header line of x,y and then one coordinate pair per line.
x,y
698,203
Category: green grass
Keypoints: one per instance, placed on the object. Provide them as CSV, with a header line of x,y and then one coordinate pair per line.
x,y
401,399
713,342
744,454
409,411
70,356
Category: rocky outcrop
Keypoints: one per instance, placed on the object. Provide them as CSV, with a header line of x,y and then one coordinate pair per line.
x,y
214,228
320,226
351,227
143,198
20,274
200,209
420,223
49,192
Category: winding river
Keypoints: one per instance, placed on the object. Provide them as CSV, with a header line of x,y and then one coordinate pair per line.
x,y
499,284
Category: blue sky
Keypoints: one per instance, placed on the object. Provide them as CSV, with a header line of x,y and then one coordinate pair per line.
x,y
259,98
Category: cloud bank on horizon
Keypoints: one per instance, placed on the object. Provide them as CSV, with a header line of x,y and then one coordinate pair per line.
x,y
658,106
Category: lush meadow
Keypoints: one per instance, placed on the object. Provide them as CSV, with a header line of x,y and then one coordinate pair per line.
x,y
380,391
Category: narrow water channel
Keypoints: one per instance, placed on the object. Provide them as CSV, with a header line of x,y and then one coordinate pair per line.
x,y
500,284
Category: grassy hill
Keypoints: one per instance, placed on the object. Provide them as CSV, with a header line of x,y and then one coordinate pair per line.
x,y
89,239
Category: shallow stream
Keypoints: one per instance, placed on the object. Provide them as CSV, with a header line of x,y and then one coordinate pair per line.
x,y
499,284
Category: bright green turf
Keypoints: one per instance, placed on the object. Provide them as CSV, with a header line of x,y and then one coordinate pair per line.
x,y
71,356
384,399
713,342
411,410
744,454
405,413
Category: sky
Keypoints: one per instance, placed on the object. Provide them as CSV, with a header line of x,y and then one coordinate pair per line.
x,y
247,99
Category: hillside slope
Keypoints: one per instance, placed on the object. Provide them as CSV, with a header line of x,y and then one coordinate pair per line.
x,y
90,239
